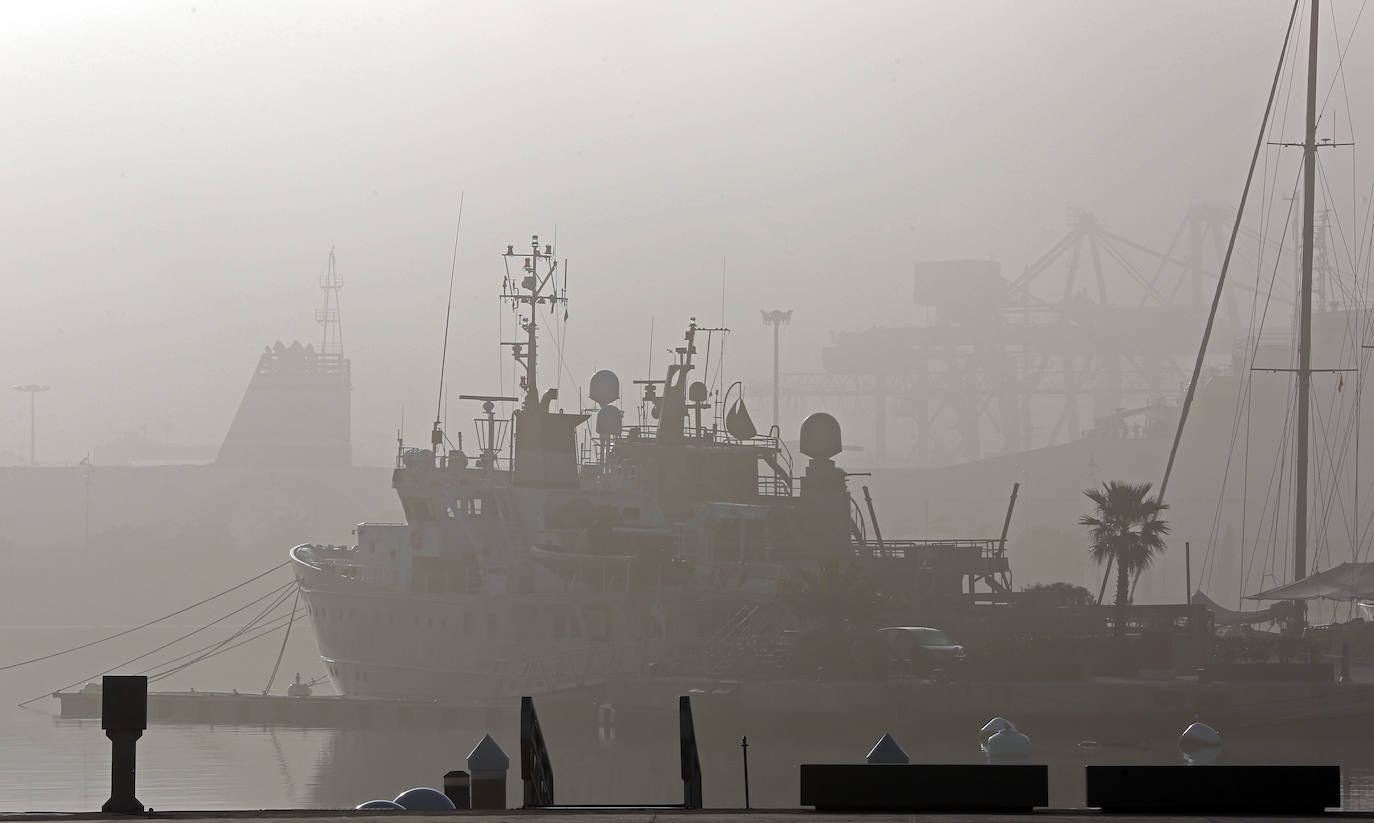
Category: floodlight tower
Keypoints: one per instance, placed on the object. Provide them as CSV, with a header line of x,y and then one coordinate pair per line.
x,y
32,390
777,319
328,315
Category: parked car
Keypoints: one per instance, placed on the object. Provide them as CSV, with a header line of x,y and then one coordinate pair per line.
x,y
920,649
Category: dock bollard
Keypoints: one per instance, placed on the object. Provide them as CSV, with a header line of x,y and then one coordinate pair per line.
x,y
489,765
886,751
123,716
458,787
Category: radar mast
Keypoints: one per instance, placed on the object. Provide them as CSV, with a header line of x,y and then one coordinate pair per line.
x,y
535,286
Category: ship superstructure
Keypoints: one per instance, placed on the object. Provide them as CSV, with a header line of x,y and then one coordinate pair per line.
x,y
542,564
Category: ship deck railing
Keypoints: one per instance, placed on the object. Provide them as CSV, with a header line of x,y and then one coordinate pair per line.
x,y
343,561
706,437
771,485
915,549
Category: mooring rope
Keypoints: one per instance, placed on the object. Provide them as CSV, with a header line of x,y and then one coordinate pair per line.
x,y
282,651
144,625
280,594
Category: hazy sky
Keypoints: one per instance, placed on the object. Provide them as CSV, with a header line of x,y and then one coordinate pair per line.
x,y
173,175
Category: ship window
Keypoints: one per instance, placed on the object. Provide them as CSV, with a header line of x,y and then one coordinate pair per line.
x,y
475,506
416,508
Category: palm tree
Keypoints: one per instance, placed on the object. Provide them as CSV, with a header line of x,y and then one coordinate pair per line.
x,y
1125,529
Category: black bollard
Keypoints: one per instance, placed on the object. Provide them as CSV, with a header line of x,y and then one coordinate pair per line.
x,y
488,764
458,788
123,716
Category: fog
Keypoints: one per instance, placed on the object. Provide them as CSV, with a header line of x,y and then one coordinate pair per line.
x,y
174,178
176,174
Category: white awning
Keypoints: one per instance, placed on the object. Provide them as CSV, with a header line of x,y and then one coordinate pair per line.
x,y
1348,581
1223,616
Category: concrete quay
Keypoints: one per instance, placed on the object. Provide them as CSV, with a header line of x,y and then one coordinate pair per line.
x,y
667,815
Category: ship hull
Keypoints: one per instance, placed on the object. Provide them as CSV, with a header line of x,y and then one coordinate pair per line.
x,y
381,641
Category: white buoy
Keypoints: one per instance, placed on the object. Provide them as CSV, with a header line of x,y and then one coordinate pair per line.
x,y
1008,745
424,799
1200,744
886,751
993,726
378,805
1199,736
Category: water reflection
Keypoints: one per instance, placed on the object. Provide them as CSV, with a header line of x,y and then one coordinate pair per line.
x,y
1202,757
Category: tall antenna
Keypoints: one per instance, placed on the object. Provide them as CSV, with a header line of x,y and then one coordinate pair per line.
x,y
328,315
528,289
437,433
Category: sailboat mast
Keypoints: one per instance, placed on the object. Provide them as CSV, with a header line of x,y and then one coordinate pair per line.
x,y
1305,320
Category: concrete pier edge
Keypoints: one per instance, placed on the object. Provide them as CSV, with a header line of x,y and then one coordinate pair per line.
x,y
648,815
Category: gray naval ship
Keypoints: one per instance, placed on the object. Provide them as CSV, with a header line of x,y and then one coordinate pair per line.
x,y
574,550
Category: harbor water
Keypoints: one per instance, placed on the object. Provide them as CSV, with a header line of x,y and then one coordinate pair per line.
x,y
601,754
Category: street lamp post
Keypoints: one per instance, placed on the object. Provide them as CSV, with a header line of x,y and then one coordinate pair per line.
x,y
32,390
777,319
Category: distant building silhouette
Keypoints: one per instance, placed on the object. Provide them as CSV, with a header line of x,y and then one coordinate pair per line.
x,y
296,411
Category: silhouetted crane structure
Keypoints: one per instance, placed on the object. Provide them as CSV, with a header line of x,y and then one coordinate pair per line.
x,y
1099,322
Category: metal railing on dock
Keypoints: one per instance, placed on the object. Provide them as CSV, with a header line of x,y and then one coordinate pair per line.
x,y
536,766
536,770
691,760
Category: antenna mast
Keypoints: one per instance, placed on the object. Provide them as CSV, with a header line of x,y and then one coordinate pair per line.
x,y
437,433
537,273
